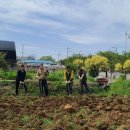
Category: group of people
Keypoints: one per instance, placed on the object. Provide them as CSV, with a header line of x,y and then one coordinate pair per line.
x,y
42,74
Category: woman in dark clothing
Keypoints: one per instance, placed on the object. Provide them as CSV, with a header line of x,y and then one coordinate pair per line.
x,y
21,75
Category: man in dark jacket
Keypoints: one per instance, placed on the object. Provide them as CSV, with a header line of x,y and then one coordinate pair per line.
x,y
83,79
21,75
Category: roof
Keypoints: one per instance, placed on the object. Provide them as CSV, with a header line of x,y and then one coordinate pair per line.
x,y
7,45
37,61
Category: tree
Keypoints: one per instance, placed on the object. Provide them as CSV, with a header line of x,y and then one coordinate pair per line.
x,y
96,64
78,62
118,67
3,62
113,58
88,63
47,58
71,59
126,65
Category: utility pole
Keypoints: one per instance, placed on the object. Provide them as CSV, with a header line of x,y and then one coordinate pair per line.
x,y
67,52
22,51
126,35
115,49
59,56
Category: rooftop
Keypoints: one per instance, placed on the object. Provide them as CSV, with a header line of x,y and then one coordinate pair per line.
x,y
7,45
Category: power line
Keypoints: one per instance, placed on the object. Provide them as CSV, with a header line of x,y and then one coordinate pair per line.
x,y
39,46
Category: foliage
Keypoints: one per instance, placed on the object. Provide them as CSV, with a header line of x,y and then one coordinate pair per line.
x,y
56,76
58,86
118,67
113,58
120,87
93,71
121,78
88,63
90,79
96,63
11,75
71,59
126,65
3,62
99,61
78,62
47,58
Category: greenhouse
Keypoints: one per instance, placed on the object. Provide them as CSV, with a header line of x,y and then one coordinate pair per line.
x,y
8,47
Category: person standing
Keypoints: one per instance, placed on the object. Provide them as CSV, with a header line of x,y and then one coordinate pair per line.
x,y
69,76
83,79
42,75
20,78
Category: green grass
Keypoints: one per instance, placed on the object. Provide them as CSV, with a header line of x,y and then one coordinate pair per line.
x,y
11,75
25,119
120,87
56,76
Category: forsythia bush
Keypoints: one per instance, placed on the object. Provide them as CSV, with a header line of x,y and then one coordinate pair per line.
x,y
99,62
88,63
78,62
118,67
126,65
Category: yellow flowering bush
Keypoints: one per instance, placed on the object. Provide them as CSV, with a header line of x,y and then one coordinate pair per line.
x,y
78,62
118,67
99,62
126,65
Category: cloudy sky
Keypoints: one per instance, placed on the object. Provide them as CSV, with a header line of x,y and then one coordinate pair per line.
x,y
49,27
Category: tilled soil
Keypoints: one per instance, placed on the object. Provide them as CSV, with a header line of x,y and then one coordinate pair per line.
x,y
65,113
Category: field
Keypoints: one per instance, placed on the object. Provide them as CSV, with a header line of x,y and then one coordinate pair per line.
x,y
99,110
65,113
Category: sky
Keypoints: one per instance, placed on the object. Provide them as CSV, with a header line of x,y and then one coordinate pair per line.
x,y
49,27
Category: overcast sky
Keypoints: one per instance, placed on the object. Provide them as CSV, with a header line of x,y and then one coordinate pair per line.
x,y
48,27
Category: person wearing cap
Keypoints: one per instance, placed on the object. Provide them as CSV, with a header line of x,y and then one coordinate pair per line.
x,y
83,79
69,76
20,78
42,75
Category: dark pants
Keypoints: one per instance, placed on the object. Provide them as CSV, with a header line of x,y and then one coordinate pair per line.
x,y
43,86
85,85
17,86
69,88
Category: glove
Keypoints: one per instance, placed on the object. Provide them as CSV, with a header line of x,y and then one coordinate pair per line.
x,y
21,82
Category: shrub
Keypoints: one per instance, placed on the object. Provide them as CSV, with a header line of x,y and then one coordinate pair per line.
x,y
11,75
3,62
58,85
56,76
121,87
8,75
